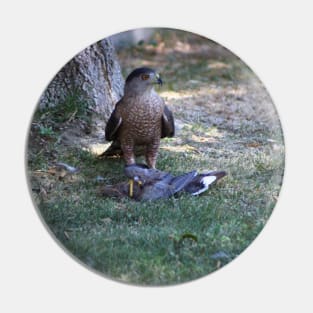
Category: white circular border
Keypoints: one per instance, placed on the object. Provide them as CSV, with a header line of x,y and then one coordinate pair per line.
x,y
274,40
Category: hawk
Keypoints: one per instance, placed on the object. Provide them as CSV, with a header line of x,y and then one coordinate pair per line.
x,y
139,119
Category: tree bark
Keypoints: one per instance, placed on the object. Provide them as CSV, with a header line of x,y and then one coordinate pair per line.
x,y
94,74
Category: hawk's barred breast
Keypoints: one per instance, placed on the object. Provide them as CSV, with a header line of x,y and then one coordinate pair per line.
x,y
142,118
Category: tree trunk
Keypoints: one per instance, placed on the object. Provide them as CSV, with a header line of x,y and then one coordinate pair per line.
x,y
94,74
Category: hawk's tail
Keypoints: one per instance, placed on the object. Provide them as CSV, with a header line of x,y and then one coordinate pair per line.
x,y
115,150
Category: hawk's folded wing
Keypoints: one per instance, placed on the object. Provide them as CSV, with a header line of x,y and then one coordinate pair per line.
x,y
113,125
168,127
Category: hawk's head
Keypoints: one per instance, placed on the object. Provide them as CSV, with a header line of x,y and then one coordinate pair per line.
x,y
142,79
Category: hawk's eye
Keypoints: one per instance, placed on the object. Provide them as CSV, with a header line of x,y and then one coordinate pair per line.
x,y
145,76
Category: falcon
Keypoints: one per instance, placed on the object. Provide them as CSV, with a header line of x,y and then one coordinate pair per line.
x,y
140,119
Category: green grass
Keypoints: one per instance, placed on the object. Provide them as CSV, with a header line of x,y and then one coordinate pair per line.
x,y
138,242
179,239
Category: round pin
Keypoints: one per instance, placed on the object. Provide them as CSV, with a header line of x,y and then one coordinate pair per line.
x,y
155,156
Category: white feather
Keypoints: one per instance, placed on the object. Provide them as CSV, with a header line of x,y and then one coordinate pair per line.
x,y
206,181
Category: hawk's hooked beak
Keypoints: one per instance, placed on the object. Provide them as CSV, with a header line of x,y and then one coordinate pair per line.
x,y
159,80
